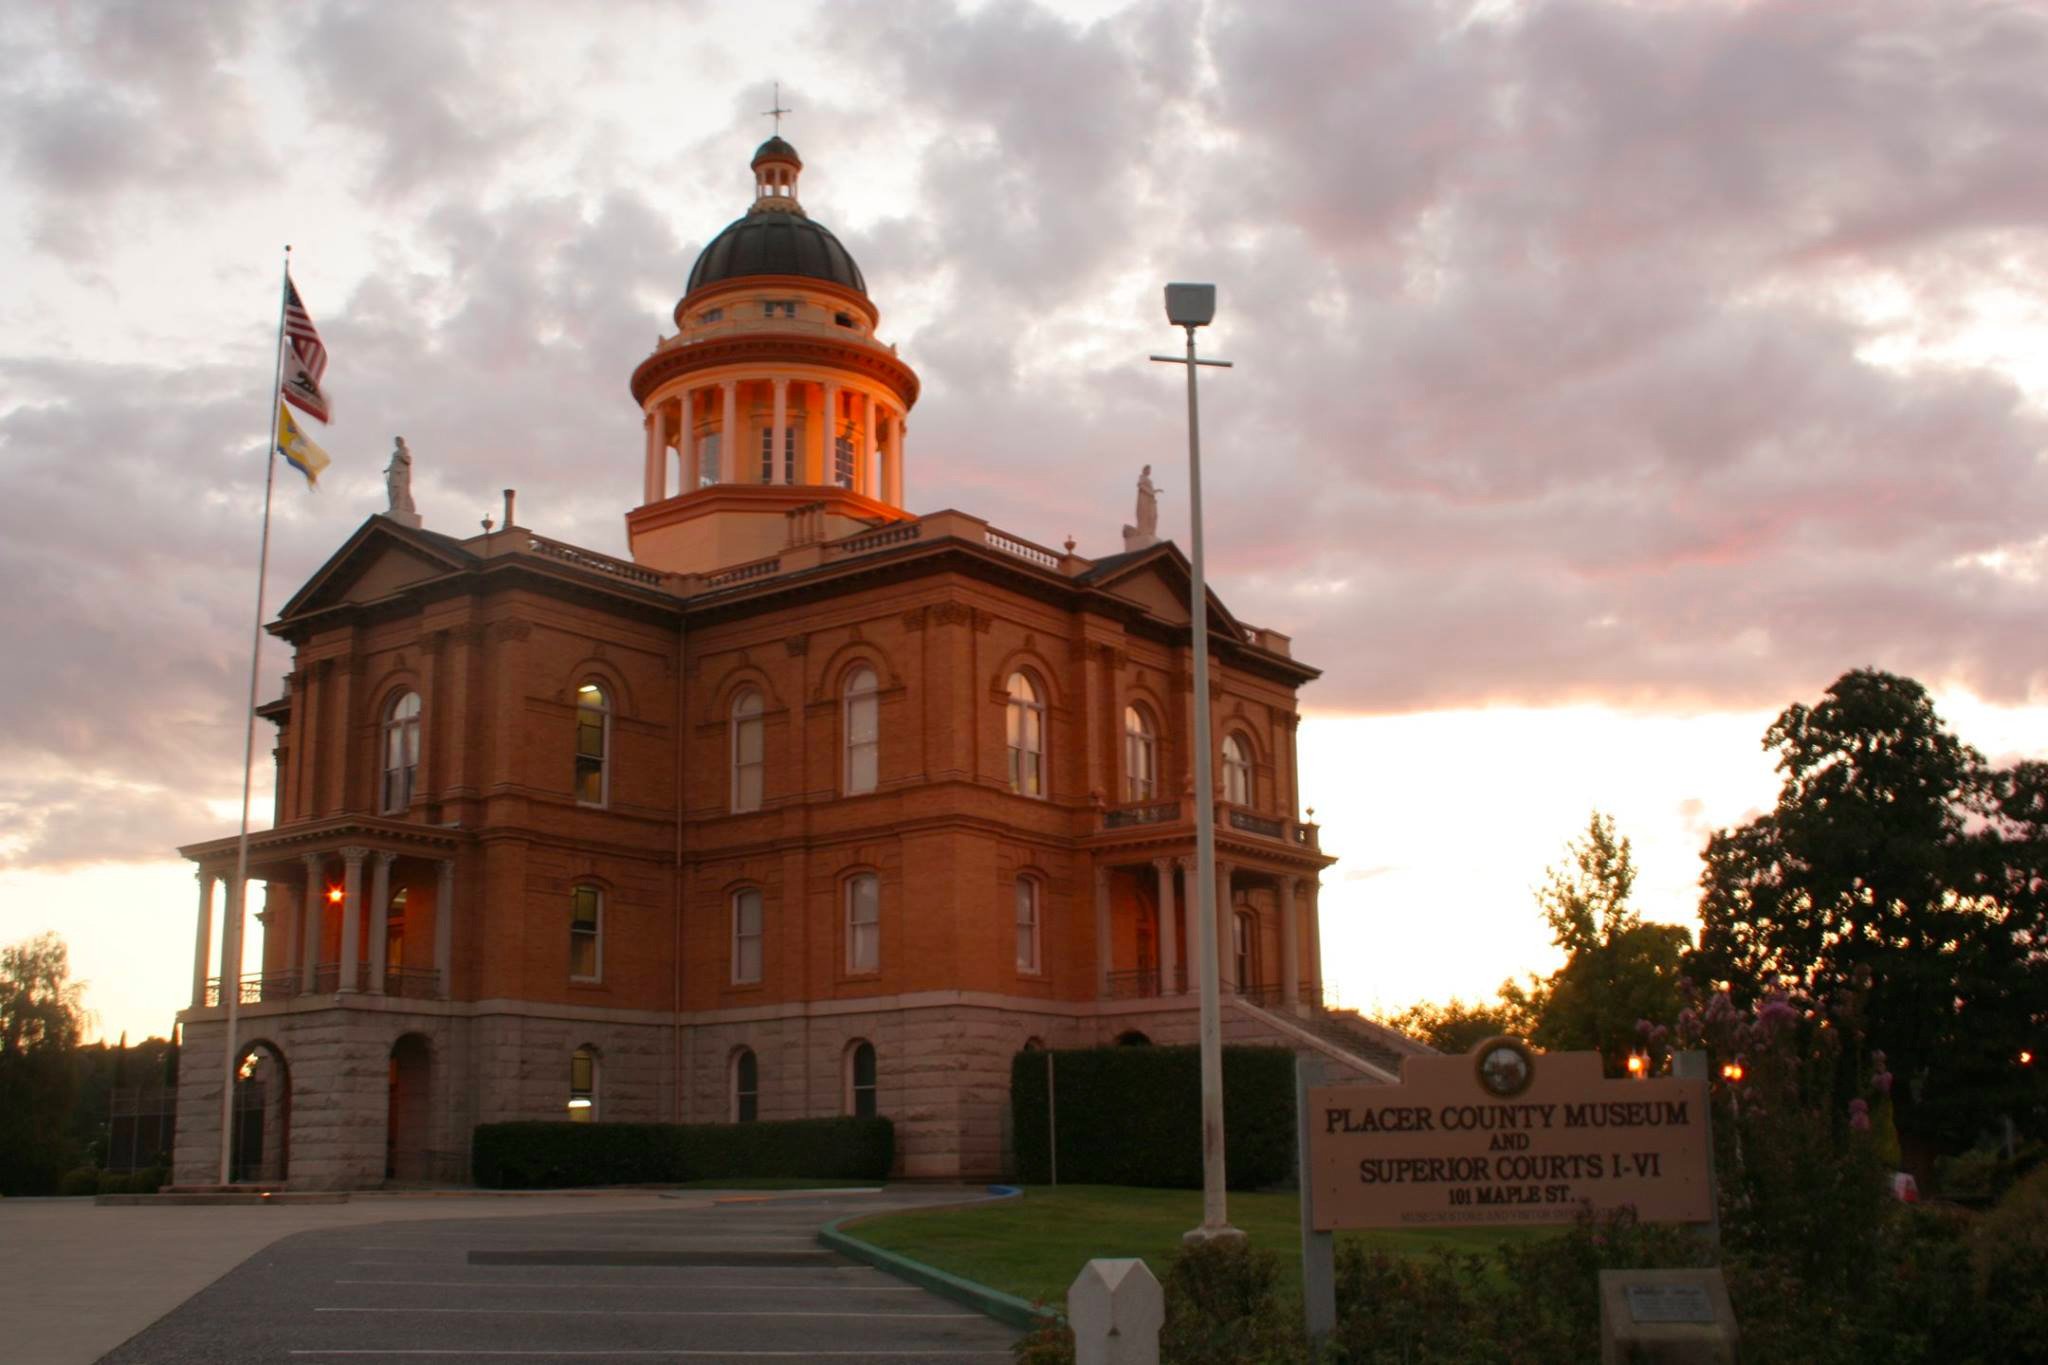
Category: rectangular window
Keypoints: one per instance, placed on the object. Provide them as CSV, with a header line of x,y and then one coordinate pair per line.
x,y
585,923
707,458
746,938
1027,925
863,924
711,315
842,460
591,724
788,454
783,308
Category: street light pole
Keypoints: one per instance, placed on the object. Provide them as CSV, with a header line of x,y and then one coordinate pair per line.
x,y
1190,306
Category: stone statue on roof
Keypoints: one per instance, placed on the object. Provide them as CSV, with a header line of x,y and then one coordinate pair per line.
x,y
1146,532
398,486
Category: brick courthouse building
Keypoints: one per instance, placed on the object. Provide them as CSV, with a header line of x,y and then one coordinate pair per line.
x,y
812,806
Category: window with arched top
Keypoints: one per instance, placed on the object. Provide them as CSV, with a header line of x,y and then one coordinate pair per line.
x,y
1026,726
863,923
862,709
593,744
1237,771
401,751
746,937
749,744
583,1085
1141,755
1025,899
586,933
746,1086
860,1080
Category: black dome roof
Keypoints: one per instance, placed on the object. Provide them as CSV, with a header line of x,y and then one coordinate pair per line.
x,y
775,146
776,244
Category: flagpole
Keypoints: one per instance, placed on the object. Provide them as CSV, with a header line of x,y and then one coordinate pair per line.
x,y
231,928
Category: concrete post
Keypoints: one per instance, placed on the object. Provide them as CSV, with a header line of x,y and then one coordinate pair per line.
x,y
444,927
380,918
1116,1308
1169,931
199,953
351,914
309,942
657,455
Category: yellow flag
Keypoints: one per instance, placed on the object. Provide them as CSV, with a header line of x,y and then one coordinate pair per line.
x,y
298,448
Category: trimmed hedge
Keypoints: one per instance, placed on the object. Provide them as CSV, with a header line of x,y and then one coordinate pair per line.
x,y
1133,1116
556,1155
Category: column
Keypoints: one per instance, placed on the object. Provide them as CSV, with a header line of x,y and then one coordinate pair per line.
x,y
1290,945
1315,939
778,443
444,926
351,914
380,918
828,430
234,902
647,458
274,909
1169,931
686,441
815,457
199,954
864,477
892,461
657,464
309,940
729,434
1103,949
1225,930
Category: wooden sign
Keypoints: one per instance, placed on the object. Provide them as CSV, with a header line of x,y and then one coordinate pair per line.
x,y
1506,1135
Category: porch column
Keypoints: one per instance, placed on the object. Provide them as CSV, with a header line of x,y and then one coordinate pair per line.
x,y
444,926
351,914
1315,937
380,918
778,443
1169,932
892,461
828,436
864,478
199,954
1290,945
1225,929
273,908
309,939
1103,948
729,434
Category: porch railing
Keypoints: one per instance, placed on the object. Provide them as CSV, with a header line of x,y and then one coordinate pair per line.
x,y
1144,983
255,987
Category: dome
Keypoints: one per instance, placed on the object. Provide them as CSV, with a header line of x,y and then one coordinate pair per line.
x,y
775,147
776,244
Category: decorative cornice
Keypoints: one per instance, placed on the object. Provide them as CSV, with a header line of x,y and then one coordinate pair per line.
x,y
770,349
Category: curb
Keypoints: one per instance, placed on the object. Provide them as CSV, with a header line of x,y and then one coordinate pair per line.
x,y
1007,1309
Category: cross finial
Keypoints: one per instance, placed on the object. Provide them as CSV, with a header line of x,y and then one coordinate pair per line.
x,y
778,111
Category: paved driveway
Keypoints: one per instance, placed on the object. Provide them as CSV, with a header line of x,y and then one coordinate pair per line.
x,y
633,1278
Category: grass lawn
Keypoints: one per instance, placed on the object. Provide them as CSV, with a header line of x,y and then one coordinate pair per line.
x,y
1033,1246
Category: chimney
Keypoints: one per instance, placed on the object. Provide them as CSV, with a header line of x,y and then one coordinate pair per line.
x,y
510,495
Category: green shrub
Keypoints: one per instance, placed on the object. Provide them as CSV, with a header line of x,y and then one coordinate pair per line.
x,y
1406,1310
2009,1253
554,1155
114,1182
1133,1116
1221,1308
83,1180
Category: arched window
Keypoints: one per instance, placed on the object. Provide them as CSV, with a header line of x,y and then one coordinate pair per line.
x,y
593,743
863,731
746,937
1141,755
863,923
746,1086
586,934
401,751
583,1085
1132,1038
748,744
1027,924
860,1080
1237,771
1026,717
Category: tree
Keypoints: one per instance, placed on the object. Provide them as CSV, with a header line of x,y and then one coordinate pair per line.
x,y
42,1017
1457,1027
1619,970
1894,858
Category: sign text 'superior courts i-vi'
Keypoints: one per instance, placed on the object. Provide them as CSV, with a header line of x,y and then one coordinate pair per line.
x,y
1504,1135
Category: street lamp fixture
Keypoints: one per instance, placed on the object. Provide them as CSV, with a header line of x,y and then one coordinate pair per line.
x,y
1190,306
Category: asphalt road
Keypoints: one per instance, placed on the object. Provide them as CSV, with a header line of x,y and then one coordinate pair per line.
x,y
733,1281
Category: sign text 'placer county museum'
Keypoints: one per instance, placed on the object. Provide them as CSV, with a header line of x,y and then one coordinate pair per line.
x,y
1507,1136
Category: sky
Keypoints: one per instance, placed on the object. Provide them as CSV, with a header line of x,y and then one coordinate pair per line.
x,y
1607,375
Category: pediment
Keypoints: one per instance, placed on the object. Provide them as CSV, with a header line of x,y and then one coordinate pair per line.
x,y
379,561
1157,580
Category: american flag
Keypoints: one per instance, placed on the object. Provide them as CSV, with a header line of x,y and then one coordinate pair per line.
x,y
305,359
